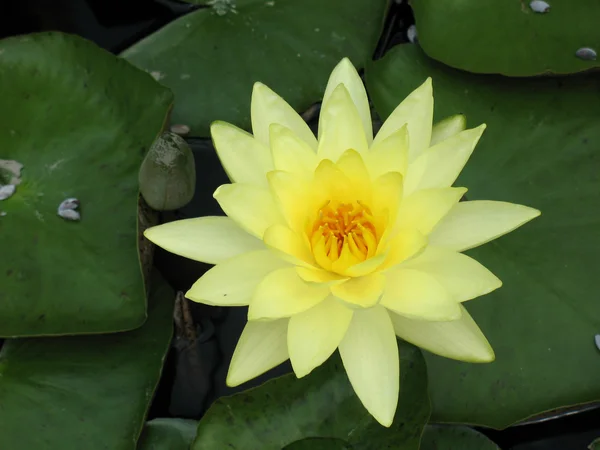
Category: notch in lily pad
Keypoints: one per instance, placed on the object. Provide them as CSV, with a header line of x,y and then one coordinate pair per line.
x,y
168,174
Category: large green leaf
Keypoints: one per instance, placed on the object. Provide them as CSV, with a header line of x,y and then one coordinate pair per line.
x,y
437,437
508,37
79,120
322,404
541,148
87,392
211,60
168,434
319,444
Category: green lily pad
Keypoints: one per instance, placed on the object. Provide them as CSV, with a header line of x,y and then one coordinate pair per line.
x,y
320,405
595,445
508,37
211,60
436,437
89,392
79,120
319,444
168,434
540,148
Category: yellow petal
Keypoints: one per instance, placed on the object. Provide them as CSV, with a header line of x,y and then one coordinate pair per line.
x,y
262,346
360,292
416,111
232,282
245,159
458,339
387,193
290,153
345,73
314,335
366,267
406,244
443,162
293,197
267,107
462,276
470,224
352,165
251,207
283,293
370,356
207,239
424,209
389,154
340,126
418,295
334,185
315,275
447,128
294,247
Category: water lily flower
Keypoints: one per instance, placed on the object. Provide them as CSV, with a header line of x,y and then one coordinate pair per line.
x,y
345,241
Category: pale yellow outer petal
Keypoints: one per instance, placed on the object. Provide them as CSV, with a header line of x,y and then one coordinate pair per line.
x,y
447,128
292,195
360,292
315,334
262,346
424,209
416,111
340,126
462,276
292,245
345,73
470,224
459,339
244,159
232,282
369,353
208,239
283,293
389,154
251,207
290,153
418,295
267,108
443,162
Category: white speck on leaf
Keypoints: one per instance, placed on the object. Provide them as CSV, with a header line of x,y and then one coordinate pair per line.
x,y
7,191
271,3
411,34
597,340
13,168
317,29
157,75
539,6
52,167
2,213
67,208
222,7
185,76
180,129
586,53
39,216
70,214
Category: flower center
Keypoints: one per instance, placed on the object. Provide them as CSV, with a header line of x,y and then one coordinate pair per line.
x,y
344,228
